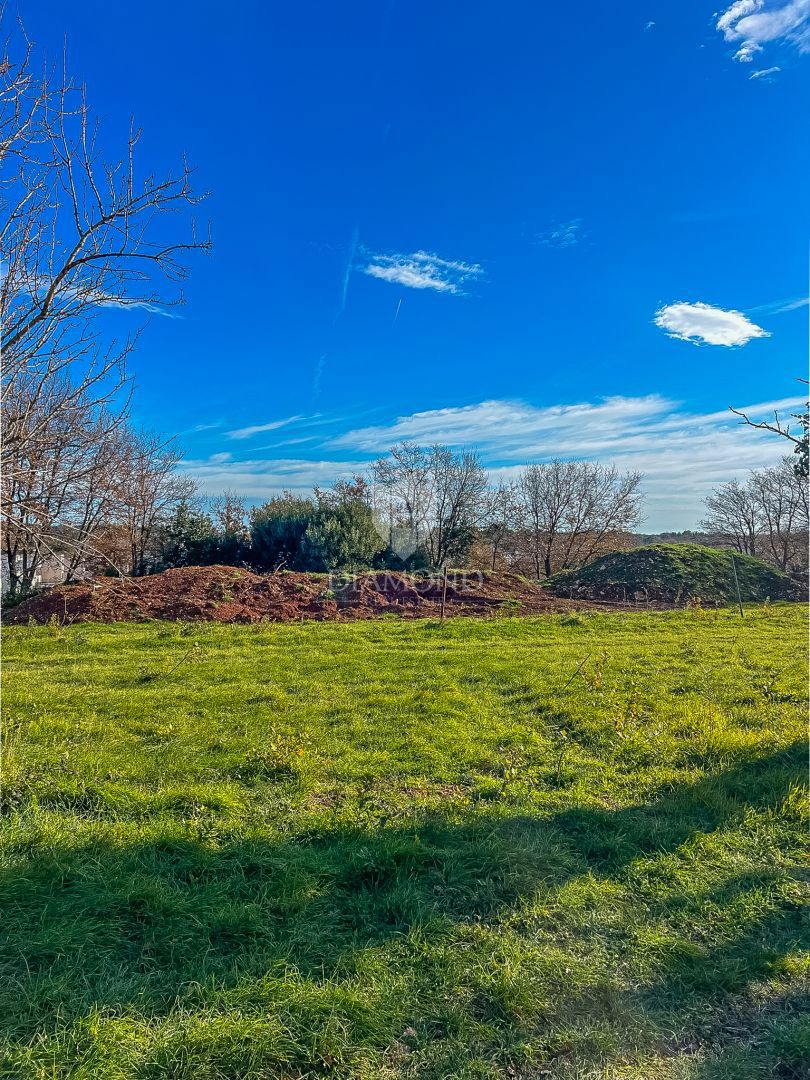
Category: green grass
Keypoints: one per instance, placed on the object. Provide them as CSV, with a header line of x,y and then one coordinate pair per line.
x,y
565,847
675,573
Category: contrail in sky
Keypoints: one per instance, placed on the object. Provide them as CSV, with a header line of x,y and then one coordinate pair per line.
x,y
347,274
777,307
316,378
399,305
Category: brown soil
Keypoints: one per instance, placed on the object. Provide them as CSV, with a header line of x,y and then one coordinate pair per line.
x,y
228,594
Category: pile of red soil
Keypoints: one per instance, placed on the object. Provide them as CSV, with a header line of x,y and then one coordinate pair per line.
x,y
228,594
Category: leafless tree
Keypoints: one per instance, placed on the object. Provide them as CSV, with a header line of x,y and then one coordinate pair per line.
x,y
403,493
781,496
732,517
573,510
357,489
58,491
502,521
459,486
434,498
767,516
81,235
148,488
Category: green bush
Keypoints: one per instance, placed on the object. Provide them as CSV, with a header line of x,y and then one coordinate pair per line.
x,y
277,532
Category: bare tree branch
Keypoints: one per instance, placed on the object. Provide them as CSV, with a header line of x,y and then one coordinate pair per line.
x,y
81,235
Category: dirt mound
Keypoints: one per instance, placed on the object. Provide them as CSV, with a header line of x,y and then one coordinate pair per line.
x,y
228,594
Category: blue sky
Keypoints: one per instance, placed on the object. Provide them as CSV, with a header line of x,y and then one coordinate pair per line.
x,y
502,225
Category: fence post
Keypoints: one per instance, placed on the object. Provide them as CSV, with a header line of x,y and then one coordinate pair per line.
x,y
737,584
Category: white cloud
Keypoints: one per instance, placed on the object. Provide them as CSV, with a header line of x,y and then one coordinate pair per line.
x,y
764,73
563,234
754,23
774,22
421,270
737,11
257,429
704,324
747,51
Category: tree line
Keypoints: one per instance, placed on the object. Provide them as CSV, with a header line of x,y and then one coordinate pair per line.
x,y
417,508
425,508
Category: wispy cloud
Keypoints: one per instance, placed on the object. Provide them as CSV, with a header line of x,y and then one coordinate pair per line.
x,y
511,426
258,479
777,307
756,23
703,324
85,294
422,270
563,234
143,305
649,25
682,455
257,429
765,73
206,427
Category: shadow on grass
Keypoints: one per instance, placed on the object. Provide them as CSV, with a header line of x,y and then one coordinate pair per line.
x,y
139,925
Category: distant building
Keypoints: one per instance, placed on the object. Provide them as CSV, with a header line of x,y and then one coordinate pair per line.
x,y
53,570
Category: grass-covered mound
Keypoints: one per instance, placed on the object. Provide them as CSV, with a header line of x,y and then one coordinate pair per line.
x,y
673,573
566,848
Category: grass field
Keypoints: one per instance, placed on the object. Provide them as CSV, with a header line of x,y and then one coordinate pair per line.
x,y
559,847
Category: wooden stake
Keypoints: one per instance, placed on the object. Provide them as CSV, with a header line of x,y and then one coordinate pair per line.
x,y
737,583
444,594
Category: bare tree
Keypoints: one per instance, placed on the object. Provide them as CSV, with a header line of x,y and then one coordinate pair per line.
x,y
573,510
57,493
459,487
502,520
767,516
148,488
732,517
544,494
403,495
434,498
781,499
81,235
